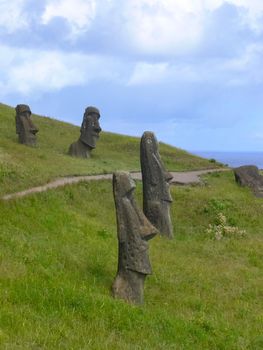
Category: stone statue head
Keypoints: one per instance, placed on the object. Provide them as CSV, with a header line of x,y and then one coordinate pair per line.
x,y
134,230
133,227
25,128
90,128
123,185
156,189
23,110
153,169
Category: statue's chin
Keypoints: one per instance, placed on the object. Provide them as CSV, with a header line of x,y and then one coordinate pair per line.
x,y
169,201
88,143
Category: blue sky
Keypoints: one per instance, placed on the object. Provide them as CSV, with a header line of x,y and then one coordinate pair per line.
x,y
189,70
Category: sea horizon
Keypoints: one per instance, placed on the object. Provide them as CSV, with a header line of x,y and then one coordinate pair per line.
x,y
234,158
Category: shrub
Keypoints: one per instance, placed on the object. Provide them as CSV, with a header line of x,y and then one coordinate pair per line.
x,y
221,229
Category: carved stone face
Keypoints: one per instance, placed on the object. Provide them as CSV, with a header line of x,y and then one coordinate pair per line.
x,y
154,173
90,129
156,192
133,227
25,128
134,230
124,185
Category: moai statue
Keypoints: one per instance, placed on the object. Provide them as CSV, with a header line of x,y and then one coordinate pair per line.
x,y
156,192
89,133
249,175
134,230
25,128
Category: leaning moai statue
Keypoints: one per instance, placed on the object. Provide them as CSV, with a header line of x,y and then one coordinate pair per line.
x,y
25,128
134,230
89,133
249,175
156,189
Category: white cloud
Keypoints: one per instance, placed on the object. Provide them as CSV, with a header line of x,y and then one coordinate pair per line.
x,y
163,27
254,14
12,15
29,72
168,27
246,68
78,13
239,71
163,72
151,27
148,73
176,27
32,71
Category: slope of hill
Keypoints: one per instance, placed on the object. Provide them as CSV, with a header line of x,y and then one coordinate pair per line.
x,y
58,254
22,166
58,258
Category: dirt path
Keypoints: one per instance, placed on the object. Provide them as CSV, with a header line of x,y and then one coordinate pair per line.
x,y
179,178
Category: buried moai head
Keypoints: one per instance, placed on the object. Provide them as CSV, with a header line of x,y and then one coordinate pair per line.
x,y
90,127
156,189
134,230
89,133
25,128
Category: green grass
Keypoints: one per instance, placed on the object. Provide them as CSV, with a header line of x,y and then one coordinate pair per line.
x,y
58,253
58,259
22,167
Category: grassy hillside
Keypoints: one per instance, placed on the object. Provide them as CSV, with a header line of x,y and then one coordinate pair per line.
x,y
58,254
58,258
22,166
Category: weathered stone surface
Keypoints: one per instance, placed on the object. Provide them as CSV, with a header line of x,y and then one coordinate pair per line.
x,y
156,189
89,133
25,128
79,149
134,230
248,175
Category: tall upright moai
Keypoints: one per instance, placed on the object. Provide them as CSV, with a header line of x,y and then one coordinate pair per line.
x,y
25,127
134,230
156,188
89,134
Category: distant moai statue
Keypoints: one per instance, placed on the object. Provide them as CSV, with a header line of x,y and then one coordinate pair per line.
x,y
89,133
249,175
134,230
25,128
156,189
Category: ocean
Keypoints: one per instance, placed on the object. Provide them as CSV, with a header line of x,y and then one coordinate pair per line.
x,y
234,159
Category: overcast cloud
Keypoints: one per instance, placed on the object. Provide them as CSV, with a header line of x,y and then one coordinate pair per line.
x,y
188,70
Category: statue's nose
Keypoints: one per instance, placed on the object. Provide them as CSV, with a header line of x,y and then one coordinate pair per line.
x,y
97,128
